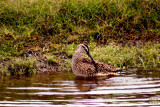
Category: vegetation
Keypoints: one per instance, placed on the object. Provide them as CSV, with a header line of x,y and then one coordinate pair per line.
x,y
147,56
54,28
21,66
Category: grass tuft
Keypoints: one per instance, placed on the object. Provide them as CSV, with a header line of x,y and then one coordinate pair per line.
x,y
22,66
52,60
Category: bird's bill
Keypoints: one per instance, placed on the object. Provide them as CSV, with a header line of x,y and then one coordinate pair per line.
x,y
92,60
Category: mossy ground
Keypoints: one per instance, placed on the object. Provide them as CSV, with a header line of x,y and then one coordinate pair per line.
x,y
55,28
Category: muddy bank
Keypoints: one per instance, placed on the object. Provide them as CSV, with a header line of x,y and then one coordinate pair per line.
x,y
42,63
32,61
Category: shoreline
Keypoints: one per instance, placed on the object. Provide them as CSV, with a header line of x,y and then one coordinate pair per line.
x,y
147,57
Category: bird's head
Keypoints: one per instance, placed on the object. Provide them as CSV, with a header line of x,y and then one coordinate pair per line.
x,y
82,48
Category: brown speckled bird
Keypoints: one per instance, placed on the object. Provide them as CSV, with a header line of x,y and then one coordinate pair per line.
x,y
87,67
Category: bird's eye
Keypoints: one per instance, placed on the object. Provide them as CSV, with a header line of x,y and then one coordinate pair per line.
x,y
85,48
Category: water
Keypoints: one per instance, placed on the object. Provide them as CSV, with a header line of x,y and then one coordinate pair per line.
x,y
132,88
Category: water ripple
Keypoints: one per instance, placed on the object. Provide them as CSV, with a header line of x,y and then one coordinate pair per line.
x,y
122,91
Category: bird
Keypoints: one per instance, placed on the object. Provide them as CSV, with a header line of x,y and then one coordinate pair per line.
x,y
88,67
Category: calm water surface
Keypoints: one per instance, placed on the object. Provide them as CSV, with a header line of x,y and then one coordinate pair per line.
x,y
132,88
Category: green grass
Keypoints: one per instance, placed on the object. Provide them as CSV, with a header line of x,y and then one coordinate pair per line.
x,y
21,66
52,60
58,26
102,19
147,56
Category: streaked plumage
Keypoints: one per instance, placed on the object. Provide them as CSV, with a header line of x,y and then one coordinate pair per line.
x,y
87,67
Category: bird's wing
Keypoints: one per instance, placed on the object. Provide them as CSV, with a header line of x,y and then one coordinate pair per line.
x,y
101,67
86,60
104,67
86,68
